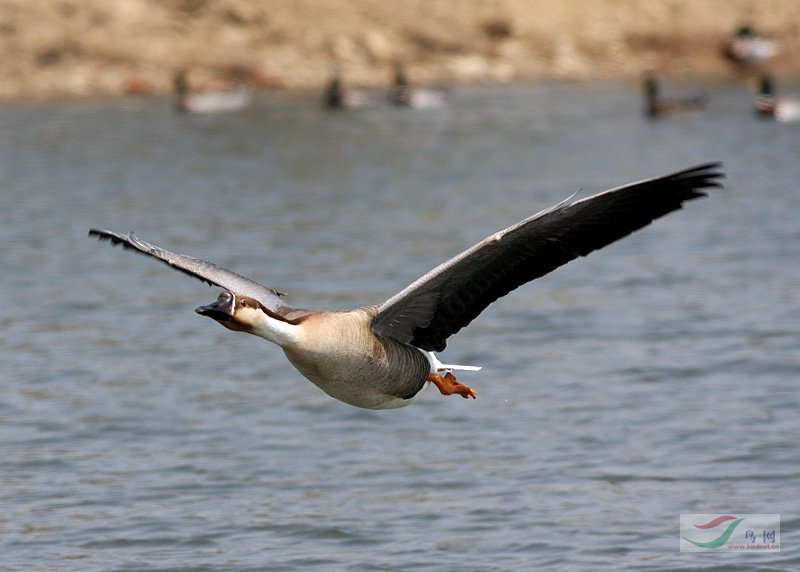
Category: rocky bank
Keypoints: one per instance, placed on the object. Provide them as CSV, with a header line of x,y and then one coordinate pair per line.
x,y
70,48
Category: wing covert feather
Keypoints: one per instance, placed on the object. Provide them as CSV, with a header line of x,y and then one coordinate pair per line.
x,y
451,295
208,272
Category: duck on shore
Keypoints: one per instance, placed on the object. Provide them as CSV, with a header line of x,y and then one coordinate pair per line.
x,y
749,50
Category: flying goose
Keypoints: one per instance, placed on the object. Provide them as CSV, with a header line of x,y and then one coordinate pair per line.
x,y
381,356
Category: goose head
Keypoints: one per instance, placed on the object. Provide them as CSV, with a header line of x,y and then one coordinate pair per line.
x,y
238,313
246,314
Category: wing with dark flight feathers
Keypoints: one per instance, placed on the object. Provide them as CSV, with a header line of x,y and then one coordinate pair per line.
x,y
451,295
206,271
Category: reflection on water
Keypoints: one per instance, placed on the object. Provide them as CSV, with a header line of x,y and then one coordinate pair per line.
x,y
656,377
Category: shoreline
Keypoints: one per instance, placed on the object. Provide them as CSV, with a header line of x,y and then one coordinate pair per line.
x,y
77,49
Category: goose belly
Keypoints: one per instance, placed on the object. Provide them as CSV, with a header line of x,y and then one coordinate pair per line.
x,y
385,379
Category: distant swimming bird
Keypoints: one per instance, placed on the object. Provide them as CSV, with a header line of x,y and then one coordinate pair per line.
x,y
380,357
747,49
657,106
766,104
228,100
336,96
403,95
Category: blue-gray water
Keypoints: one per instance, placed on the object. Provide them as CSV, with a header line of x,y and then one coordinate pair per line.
x,y
656,377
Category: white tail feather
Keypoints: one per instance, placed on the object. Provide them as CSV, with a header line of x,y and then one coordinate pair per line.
x,y
437,366
454,367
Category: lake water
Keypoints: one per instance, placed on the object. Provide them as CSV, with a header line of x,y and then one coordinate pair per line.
x,y
656,377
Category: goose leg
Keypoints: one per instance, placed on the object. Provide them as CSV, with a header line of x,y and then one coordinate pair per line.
x,y
448,385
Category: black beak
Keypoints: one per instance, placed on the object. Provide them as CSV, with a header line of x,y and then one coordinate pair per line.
x,y
221,309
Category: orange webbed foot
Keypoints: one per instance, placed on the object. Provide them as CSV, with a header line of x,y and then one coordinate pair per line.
x,y
448,385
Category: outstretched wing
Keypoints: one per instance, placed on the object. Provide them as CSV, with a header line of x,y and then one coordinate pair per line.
x,y
451,295
208,272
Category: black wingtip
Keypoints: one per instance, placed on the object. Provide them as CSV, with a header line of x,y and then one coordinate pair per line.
x,y
694,181
711,171
105,235
128,241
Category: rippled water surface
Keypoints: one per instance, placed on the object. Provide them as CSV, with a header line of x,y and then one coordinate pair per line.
x,y
657,377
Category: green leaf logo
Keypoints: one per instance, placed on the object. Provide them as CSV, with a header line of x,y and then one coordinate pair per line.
x,y
722,538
